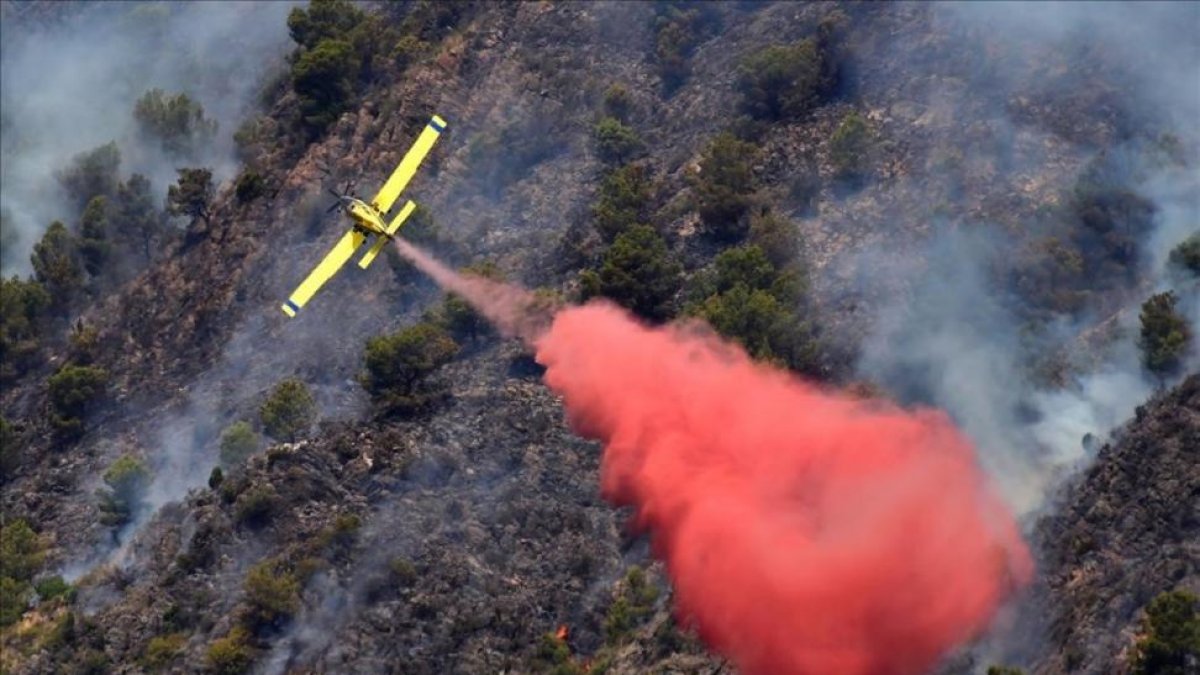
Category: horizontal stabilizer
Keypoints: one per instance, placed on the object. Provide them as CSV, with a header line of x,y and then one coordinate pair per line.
x,y
371,253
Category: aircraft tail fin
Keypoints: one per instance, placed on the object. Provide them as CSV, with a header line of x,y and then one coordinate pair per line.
x,y
394,227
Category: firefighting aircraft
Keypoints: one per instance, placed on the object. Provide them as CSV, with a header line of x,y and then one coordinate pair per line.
x,y
369,219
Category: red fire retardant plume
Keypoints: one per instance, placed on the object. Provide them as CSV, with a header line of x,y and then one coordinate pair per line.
x,y
804,531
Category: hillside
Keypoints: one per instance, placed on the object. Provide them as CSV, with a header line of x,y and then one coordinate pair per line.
x,y
897,198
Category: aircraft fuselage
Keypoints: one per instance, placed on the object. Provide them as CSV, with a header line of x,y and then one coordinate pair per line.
x,y
366,217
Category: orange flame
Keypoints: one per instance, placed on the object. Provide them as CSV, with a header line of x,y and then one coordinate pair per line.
x,y
561,633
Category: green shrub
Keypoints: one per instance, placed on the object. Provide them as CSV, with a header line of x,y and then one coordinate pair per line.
x,y
58,267
191,194
396,364
14,600
238,443
341,535
127,480
407,50
73,391
403,572
250,186
768,329
272,595
456,314
323,78
782,82
91,173
638,273
725,187
1171,641
850,147
1187,255
10,452
623,201
618,103
176,122
256,507
633,604
162,650
616,143
288,411
322,20
20,552
1165,334
22,304
54,587
677,32
231,655
94,247
776,236
215,478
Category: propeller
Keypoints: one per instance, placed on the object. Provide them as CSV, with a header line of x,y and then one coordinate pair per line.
x,y
342,197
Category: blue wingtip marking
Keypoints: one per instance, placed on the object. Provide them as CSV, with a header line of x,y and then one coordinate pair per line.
x,y
293,305
437,127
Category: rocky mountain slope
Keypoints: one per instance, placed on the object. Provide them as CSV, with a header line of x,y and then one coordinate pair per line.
x,y
462,536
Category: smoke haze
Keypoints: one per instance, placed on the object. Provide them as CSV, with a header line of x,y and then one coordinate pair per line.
x,y
69,86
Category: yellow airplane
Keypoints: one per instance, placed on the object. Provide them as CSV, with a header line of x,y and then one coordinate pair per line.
x,y
369,219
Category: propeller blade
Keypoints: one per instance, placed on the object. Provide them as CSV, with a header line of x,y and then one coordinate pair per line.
x,y
333,207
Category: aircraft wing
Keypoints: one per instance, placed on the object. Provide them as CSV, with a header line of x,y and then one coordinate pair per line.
x,y
324,271
408,166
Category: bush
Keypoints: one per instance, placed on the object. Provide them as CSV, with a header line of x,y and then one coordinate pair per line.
x,y
618,103
1187,255
616,143
272,595
94,247
322,20
776,236
127,480
91,173
782,82
725,187
749,300
637,272
457,315
191,194
250,186
14,600
54,587
20,552
57,266
288,411
623,201
231,655
1165,334
177,122
634,604
256,507
396,364
162,650
73,391
1171,641
849,148
10,453
22,304
677,31
323,79
238,443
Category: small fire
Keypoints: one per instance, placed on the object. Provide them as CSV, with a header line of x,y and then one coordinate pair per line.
x,y
561,633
